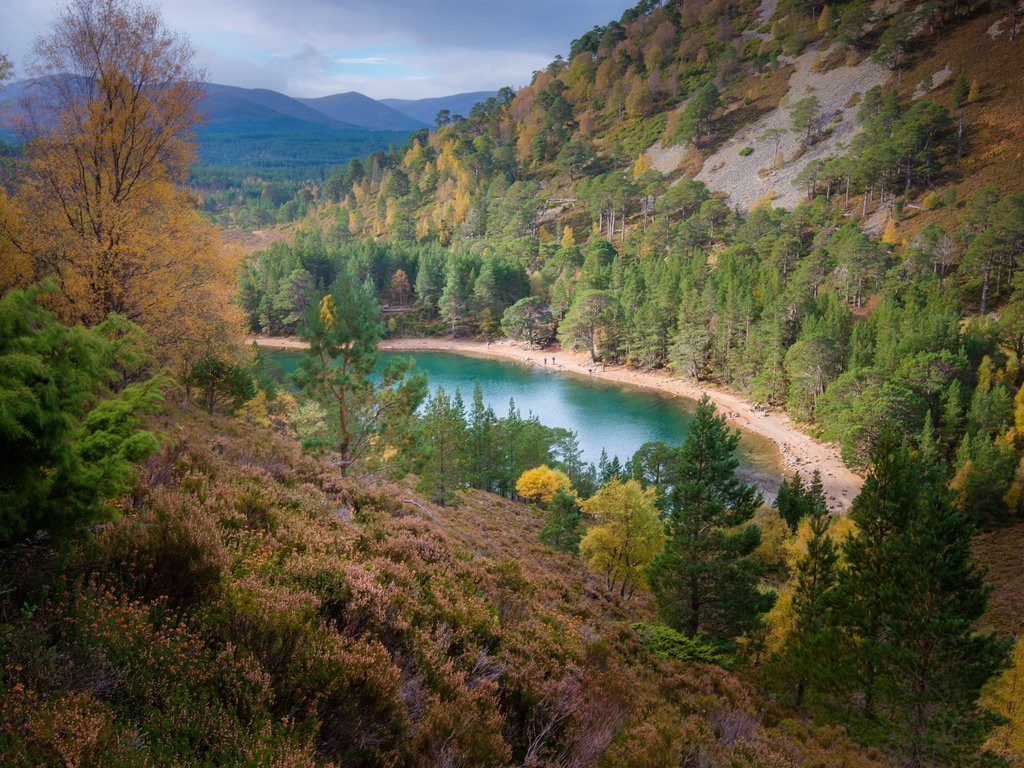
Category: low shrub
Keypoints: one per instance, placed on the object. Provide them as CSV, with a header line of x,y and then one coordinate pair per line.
x,y
666,643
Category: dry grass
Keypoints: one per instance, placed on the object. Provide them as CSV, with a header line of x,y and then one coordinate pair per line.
x,y
995,147
1002,552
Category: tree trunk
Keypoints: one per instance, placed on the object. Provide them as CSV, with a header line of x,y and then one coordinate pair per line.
x,y
984,290
694,623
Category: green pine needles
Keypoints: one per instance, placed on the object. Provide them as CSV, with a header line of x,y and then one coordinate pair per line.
x,y
70,436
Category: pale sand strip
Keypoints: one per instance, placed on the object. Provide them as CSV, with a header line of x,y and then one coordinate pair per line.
x,y
800,452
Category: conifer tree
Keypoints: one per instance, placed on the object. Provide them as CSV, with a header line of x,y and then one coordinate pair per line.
x,y
706,579
914,667
825,19
442,468
796,502
974,93
562,528
481,439
961,91
343,331
789,501
812,635
70,436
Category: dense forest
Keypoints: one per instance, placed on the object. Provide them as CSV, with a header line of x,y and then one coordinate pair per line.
x,y
203,562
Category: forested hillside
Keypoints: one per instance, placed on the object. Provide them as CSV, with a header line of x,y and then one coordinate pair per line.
x,y
628,202
818,205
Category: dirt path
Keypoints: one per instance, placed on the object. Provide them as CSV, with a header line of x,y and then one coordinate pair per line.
x,y
800,451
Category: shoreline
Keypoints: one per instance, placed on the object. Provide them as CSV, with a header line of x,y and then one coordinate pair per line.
x,y
799,451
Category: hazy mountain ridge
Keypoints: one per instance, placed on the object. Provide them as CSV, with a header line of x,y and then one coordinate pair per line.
x,y
224,103
425,110
249,127
356,108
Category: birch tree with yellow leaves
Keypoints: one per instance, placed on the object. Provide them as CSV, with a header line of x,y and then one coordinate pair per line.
x,y
108,138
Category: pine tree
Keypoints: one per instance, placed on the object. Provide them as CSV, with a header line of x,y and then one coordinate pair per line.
x,y
454,301
796,502
916,666
789,501
430,279
812,635
70,436
343,330
442,468
562,529
706,579
961,89
481,447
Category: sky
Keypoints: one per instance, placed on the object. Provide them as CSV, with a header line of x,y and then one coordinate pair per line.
x,y
383,48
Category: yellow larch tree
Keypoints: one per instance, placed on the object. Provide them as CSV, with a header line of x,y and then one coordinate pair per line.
x,y
891,234
1004,695
568,237
825,19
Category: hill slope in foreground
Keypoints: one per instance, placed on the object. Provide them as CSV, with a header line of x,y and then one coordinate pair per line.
x,y
256,605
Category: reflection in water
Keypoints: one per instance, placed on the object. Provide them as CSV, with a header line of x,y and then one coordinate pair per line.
x,y
616,418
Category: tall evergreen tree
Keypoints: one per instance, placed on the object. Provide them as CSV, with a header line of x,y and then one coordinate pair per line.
x,y
481,447
444,440
907,602
706,580
795,501
343,330
562,528
811,638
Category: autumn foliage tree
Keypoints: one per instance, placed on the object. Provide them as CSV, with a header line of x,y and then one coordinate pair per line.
x,y
628,535
108,130
540,484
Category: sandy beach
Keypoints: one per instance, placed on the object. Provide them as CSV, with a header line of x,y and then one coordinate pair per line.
x,y
800,452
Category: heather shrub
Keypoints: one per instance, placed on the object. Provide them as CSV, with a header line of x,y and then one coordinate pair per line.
x,y
253,606
72,729
187,698
171,549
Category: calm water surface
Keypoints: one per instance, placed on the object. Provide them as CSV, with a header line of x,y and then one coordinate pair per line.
x,y
616,418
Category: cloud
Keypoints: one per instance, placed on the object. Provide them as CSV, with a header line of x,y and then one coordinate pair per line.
x,y
400,48
363,60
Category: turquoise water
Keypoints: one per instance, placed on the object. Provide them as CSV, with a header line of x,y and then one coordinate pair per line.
x,y
617,418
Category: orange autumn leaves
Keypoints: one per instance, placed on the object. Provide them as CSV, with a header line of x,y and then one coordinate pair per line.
x,y
98,206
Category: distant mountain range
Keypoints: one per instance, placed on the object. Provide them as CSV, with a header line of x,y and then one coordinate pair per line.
x,y
355,108
257,128
425,110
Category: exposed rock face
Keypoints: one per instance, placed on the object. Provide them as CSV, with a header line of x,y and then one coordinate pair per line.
x,y
749,178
